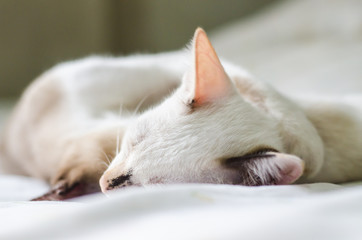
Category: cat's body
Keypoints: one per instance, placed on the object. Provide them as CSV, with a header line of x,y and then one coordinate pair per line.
x,y
83,104
72,119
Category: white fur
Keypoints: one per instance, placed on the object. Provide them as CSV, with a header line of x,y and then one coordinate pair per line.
x,y
169,144
180,147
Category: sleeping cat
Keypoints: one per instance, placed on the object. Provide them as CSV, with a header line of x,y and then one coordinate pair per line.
x,y
178,117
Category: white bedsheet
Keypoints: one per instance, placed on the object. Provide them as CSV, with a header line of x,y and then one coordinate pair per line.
x,y
312,211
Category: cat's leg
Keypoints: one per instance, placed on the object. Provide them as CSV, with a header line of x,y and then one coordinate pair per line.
x,y
85,158
133,82
96,88
67,98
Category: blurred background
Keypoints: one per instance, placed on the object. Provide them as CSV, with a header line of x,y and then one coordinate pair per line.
x,y
300,45
36,34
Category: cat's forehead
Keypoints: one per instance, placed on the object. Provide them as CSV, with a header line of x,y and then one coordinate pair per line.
x,y
145,126
137,131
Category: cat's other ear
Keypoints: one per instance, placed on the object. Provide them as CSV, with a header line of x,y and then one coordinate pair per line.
x,y
207,81
270,168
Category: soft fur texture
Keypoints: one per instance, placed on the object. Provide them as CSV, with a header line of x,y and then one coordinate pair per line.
x,y
219,126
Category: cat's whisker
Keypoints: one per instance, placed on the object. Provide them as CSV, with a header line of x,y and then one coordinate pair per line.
x,y
104,164
107,158
139,105
118,131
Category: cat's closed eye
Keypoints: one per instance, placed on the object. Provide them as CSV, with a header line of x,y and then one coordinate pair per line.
x,y
259,153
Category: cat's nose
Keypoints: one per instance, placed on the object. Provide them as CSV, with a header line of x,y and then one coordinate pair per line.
x,y
103,183
108,183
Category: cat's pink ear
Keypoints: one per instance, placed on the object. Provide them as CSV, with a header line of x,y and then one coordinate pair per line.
x,y
288,168
210,82
270,168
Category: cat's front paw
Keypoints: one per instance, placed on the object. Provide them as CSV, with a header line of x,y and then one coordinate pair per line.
x,y
84,160
63,191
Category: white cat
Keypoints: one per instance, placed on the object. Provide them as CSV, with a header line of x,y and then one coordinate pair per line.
x,y
218,126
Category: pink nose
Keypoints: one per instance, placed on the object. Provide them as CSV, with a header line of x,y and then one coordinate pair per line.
x,y
103,183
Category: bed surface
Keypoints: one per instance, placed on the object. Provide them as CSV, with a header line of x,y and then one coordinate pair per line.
x,y
310,211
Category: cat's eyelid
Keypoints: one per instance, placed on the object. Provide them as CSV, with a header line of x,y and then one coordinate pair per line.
x,y
258,152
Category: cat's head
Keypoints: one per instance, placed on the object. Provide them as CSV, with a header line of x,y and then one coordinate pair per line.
x,y
206,132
